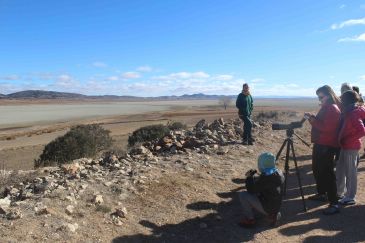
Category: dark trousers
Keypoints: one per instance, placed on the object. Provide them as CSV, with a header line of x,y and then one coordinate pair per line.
x,y
323,170
247,127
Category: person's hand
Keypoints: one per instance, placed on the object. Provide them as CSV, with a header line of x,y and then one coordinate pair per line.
x,y
309,116
251,172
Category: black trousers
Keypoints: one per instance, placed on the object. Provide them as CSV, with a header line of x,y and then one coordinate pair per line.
x,y
247,127
323,166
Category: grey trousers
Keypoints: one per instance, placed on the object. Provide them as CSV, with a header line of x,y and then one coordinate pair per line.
x,y
346,173
249,203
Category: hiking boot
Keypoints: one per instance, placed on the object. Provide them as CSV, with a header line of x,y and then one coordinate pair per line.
x,y
318,197
332,209
250,142
347,201
247,223
245,141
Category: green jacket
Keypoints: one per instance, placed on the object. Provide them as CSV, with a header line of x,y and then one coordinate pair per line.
x,y
244,104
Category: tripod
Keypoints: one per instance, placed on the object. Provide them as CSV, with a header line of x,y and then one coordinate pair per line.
x,y
290,147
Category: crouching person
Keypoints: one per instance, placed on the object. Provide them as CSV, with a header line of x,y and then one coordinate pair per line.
x,y
263,193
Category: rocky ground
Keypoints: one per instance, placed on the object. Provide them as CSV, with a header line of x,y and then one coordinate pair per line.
x,y
181,188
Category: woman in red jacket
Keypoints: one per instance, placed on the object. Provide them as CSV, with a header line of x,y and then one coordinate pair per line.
x,y
351,131
324,136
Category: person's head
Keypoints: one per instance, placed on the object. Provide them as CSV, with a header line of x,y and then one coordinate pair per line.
x,y
345,87
349,97
326,95
245,87
266,163
356,89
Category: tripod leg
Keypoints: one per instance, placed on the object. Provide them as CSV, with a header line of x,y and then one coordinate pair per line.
x,y
291,144
286,166
281,149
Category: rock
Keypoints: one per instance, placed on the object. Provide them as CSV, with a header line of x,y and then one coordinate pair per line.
x,y
98,199
139,150
5,202
70,227
108,183
222,151
14,214
121,212
71,169
189,168
70,209
42,210
3,210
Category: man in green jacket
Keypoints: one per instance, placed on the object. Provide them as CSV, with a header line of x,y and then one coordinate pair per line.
x,y
244,104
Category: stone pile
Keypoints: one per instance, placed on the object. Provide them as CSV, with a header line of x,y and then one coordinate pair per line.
x,y
204,137
117,174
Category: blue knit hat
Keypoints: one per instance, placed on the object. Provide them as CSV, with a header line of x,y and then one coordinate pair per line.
x,y
266,163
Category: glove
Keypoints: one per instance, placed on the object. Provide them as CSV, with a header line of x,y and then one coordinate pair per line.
x,y
251,172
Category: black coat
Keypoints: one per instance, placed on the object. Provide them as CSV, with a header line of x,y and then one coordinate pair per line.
x,y
268,190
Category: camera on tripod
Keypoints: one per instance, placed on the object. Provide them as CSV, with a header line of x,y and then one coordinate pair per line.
x,y
290,126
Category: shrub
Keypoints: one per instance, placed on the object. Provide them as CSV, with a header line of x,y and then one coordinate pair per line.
x,y
81,141
267,115
176,126
148,133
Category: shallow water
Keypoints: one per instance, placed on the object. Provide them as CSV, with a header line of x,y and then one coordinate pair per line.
x,y
16,115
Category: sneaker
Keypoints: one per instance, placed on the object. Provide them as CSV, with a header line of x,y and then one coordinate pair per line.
x,y
332,209
347,202
252,139
274,218
247,223
318,197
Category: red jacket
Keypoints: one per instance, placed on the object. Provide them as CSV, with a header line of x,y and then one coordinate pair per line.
x,y
325,125
352,129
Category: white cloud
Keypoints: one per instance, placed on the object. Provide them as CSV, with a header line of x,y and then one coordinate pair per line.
x,y
362,78
144,69
353,39
183,75
99,64
10,77
224,77
112,78
342,6
65,81
362,6
131,75
347,23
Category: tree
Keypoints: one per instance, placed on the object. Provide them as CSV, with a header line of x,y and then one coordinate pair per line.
x,y
225,101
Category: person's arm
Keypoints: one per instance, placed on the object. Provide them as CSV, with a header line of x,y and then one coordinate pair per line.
x,y
238,101
266,182
329,122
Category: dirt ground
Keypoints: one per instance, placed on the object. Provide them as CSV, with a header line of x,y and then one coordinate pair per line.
x,y
198,204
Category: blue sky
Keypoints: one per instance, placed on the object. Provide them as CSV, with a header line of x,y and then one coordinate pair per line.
x,y
152,48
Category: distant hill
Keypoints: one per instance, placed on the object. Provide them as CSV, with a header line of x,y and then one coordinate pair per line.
x,y
40,94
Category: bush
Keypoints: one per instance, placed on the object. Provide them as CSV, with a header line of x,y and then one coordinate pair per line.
x,y
148,133
81,141
176,126
267,115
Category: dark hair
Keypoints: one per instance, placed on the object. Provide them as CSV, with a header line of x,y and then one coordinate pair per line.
x,y
349,97
328,91
356,89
